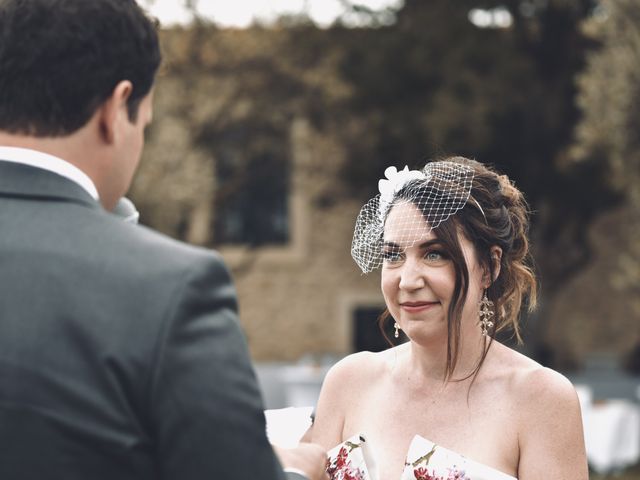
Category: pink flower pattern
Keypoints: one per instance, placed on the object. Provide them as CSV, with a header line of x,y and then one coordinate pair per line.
x,y
340,468
424,473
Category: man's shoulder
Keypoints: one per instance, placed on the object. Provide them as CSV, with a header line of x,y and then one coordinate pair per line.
x,y
146,243
142,258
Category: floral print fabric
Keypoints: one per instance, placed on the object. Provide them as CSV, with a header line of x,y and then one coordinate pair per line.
x,y
346,461
425,461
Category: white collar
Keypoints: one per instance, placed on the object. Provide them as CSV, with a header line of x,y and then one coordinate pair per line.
x,y
34,158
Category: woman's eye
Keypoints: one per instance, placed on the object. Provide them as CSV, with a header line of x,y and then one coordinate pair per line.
x,y
434,256
391,255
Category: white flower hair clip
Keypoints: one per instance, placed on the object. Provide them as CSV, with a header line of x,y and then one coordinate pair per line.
x,y
394,182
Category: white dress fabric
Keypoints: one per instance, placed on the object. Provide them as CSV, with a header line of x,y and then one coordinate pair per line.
x,y
352,460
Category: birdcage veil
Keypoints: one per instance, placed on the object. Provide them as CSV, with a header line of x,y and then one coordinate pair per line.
x,y
439,190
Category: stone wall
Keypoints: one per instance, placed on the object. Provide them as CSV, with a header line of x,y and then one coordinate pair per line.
x,y
298,299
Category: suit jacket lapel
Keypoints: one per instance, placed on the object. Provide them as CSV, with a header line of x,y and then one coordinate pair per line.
x,y
17,180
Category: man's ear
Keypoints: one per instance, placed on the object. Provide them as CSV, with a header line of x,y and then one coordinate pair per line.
x,y
495,255
114,110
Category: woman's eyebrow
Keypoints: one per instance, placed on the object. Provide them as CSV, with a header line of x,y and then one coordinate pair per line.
x,y
429,243
426,244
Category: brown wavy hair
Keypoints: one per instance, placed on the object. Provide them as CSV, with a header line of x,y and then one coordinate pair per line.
x,y
502,220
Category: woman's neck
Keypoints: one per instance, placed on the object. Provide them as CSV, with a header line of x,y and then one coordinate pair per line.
x,y
427,364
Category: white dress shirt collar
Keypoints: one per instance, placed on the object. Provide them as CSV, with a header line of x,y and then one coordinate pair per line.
x,y
34,158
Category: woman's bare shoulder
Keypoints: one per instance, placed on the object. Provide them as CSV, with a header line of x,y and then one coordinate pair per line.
x,y
357,368
546,412
527,378
545,397
528,388
345,381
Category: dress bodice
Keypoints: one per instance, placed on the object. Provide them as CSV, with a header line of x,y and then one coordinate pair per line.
x,y
352,460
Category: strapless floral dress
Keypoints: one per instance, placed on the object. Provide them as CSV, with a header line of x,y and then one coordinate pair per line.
x,y
352,460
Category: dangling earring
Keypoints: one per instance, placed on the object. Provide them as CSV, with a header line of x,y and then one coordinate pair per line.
x,y
396,332
486,314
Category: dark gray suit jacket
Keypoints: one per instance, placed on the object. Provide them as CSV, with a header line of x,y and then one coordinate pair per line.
x,y
121,356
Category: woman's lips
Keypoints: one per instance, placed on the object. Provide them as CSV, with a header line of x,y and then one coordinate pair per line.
x,y
415,307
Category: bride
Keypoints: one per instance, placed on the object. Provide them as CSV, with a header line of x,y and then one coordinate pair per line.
x,y
451,241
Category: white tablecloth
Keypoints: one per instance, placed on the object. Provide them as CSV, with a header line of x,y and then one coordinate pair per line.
x,y
611,431
286,426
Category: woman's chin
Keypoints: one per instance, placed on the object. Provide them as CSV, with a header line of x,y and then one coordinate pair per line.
x,y
426,333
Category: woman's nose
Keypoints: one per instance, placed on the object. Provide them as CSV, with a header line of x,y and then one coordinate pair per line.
x,y
411,276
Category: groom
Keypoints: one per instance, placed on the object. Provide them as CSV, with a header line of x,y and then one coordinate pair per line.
x,y
120,351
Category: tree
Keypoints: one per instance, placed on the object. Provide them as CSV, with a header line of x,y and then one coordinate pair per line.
x,y
608,131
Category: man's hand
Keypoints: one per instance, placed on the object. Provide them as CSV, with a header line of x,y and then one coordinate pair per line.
x,y
306,457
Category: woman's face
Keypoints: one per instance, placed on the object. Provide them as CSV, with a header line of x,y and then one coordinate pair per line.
x,y
418,276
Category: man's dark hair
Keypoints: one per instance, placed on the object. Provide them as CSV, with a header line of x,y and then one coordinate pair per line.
x,y
61,59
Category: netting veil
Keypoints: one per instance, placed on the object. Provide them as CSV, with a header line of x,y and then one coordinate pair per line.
x,y
439,190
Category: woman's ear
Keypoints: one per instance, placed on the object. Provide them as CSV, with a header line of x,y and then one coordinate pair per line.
x,y
495,256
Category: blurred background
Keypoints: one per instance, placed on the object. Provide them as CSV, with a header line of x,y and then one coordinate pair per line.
x,y
274,121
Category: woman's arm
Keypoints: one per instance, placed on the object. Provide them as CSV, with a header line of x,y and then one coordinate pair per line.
x,y
551,436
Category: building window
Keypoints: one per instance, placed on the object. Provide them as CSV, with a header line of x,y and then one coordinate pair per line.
x,y
366,333
253,178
